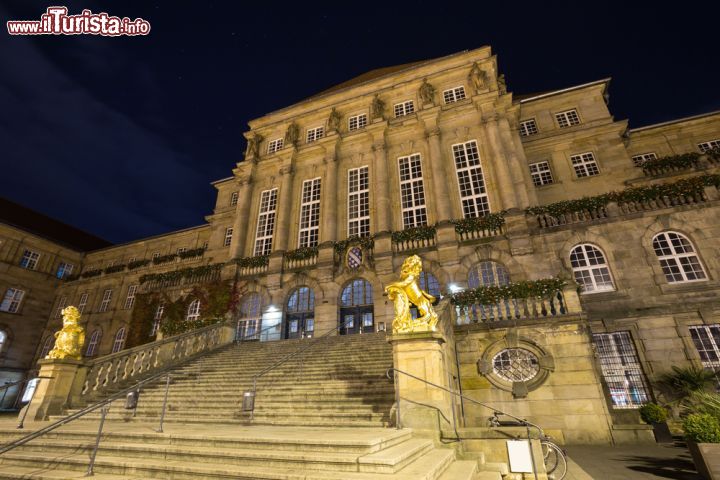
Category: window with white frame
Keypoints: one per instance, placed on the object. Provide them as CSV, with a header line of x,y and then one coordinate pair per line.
x,y
487,274
83,302
412,191
454,94
131,260
275,145
473,194
155,255
707,342
29,259
227,240
358,202
105,303
233,199
159,311
93,343
64,270
567,118
193,311
584,164
528,127
130,299
541,174
639,160
119,342
181,250
12,300
404,108
707,146
62,303
47,346
266,222
621,369
590,269
678,258
357,122
314,134
309,233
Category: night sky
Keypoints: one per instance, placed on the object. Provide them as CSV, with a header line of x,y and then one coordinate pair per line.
x,y
122,136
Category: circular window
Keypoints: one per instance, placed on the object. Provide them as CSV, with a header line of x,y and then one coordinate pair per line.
x,y
516,365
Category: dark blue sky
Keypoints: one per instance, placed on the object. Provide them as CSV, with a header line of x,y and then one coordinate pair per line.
x,y
121,136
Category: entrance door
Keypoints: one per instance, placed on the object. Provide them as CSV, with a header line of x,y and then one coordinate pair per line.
x,y
300,313
356,308
299,325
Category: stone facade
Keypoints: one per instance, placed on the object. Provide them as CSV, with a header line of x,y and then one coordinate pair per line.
x,y
532,150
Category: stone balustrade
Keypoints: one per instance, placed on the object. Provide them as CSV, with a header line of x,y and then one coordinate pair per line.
x,y
664,202
545,220
478,234
413,244
252,270
290,263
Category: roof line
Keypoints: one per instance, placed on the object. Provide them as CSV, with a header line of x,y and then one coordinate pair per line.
x,y
677,120
565,90
145,239
221,180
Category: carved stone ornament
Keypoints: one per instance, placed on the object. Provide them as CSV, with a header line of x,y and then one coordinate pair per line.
x,y
254,145
377,108
292,135
502,86
407,291
477,77
334,120
69,340
427,92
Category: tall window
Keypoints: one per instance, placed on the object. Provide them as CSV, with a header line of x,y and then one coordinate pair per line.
x,y
193,311
227,240
105,303
590,269
356,307
488,273
541,174
677,258
404,108
430,284
300,313
567,118
358,202
62,302
250,317
159,311
266,222
119,342
310,214
314,134
29,259
64,270
584,164
83,302
707,146
233,199
454,94
621,369
357,122
275,145
528,127
47,346
12,300
412,191
639,160
93,343
707,341
471,181
130,299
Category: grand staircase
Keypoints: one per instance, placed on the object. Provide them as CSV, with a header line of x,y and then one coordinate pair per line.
x,y
322,415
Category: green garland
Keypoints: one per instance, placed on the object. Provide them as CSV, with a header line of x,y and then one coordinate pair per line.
x,y
137,264
678,162
91,273
367,243
301,253
487,295
424,232
253,262
164,258
491,221
189,272
114,269
195,252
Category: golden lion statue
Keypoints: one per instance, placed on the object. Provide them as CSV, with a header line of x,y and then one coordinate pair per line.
x,y
407,291
71,338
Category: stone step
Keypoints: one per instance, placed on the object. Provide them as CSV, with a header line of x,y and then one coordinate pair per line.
x,y
372,421
392,459
462,470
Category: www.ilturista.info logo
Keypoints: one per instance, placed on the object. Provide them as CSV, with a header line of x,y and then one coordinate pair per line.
x,y
56,21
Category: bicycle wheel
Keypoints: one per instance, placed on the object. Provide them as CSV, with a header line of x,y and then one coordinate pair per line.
x,y
554,459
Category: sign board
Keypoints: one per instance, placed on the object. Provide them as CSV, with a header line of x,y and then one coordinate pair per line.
x,y
29,390
519,455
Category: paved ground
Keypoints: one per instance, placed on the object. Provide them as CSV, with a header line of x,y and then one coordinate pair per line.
x,y
639,462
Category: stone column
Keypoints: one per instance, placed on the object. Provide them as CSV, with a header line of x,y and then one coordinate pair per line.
x,y
436,165
51,395
383,209
242,219
518,169
505,183
282,240
329,192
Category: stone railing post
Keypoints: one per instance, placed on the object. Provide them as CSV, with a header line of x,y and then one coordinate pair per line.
x,y
51,395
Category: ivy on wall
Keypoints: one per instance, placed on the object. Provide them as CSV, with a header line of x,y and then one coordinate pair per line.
x,y
487,295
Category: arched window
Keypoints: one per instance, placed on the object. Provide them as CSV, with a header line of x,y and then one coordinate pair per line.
x,y
430,284
356,307
300,313
3,339
250,317
119,340
47,346
590,269
92,345
677,258
488,273
193,311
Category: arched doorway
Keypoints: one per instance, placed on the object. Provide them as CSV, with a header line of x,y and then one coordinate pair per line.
x,y
300,313
250,317
356,308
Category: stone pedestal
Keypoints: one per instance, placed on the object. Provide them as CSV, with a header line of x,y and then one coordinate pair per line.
x,y
424,408
51,395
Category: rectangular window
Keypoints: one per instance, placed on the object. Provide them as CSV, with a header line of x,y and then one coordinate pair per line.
x,y
621,369
473,194
155,255
29,259
181,250
528,127
454,94
64,270
584,164
541,174
12,300
131,259
707,146
358,202
707,341
275,145
639,160
228,236
315,134
404,108
412,191
105,303
357,122
266,222
130,299
205,245
233,199
309,214
83,302
62,303
567,118
156,320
